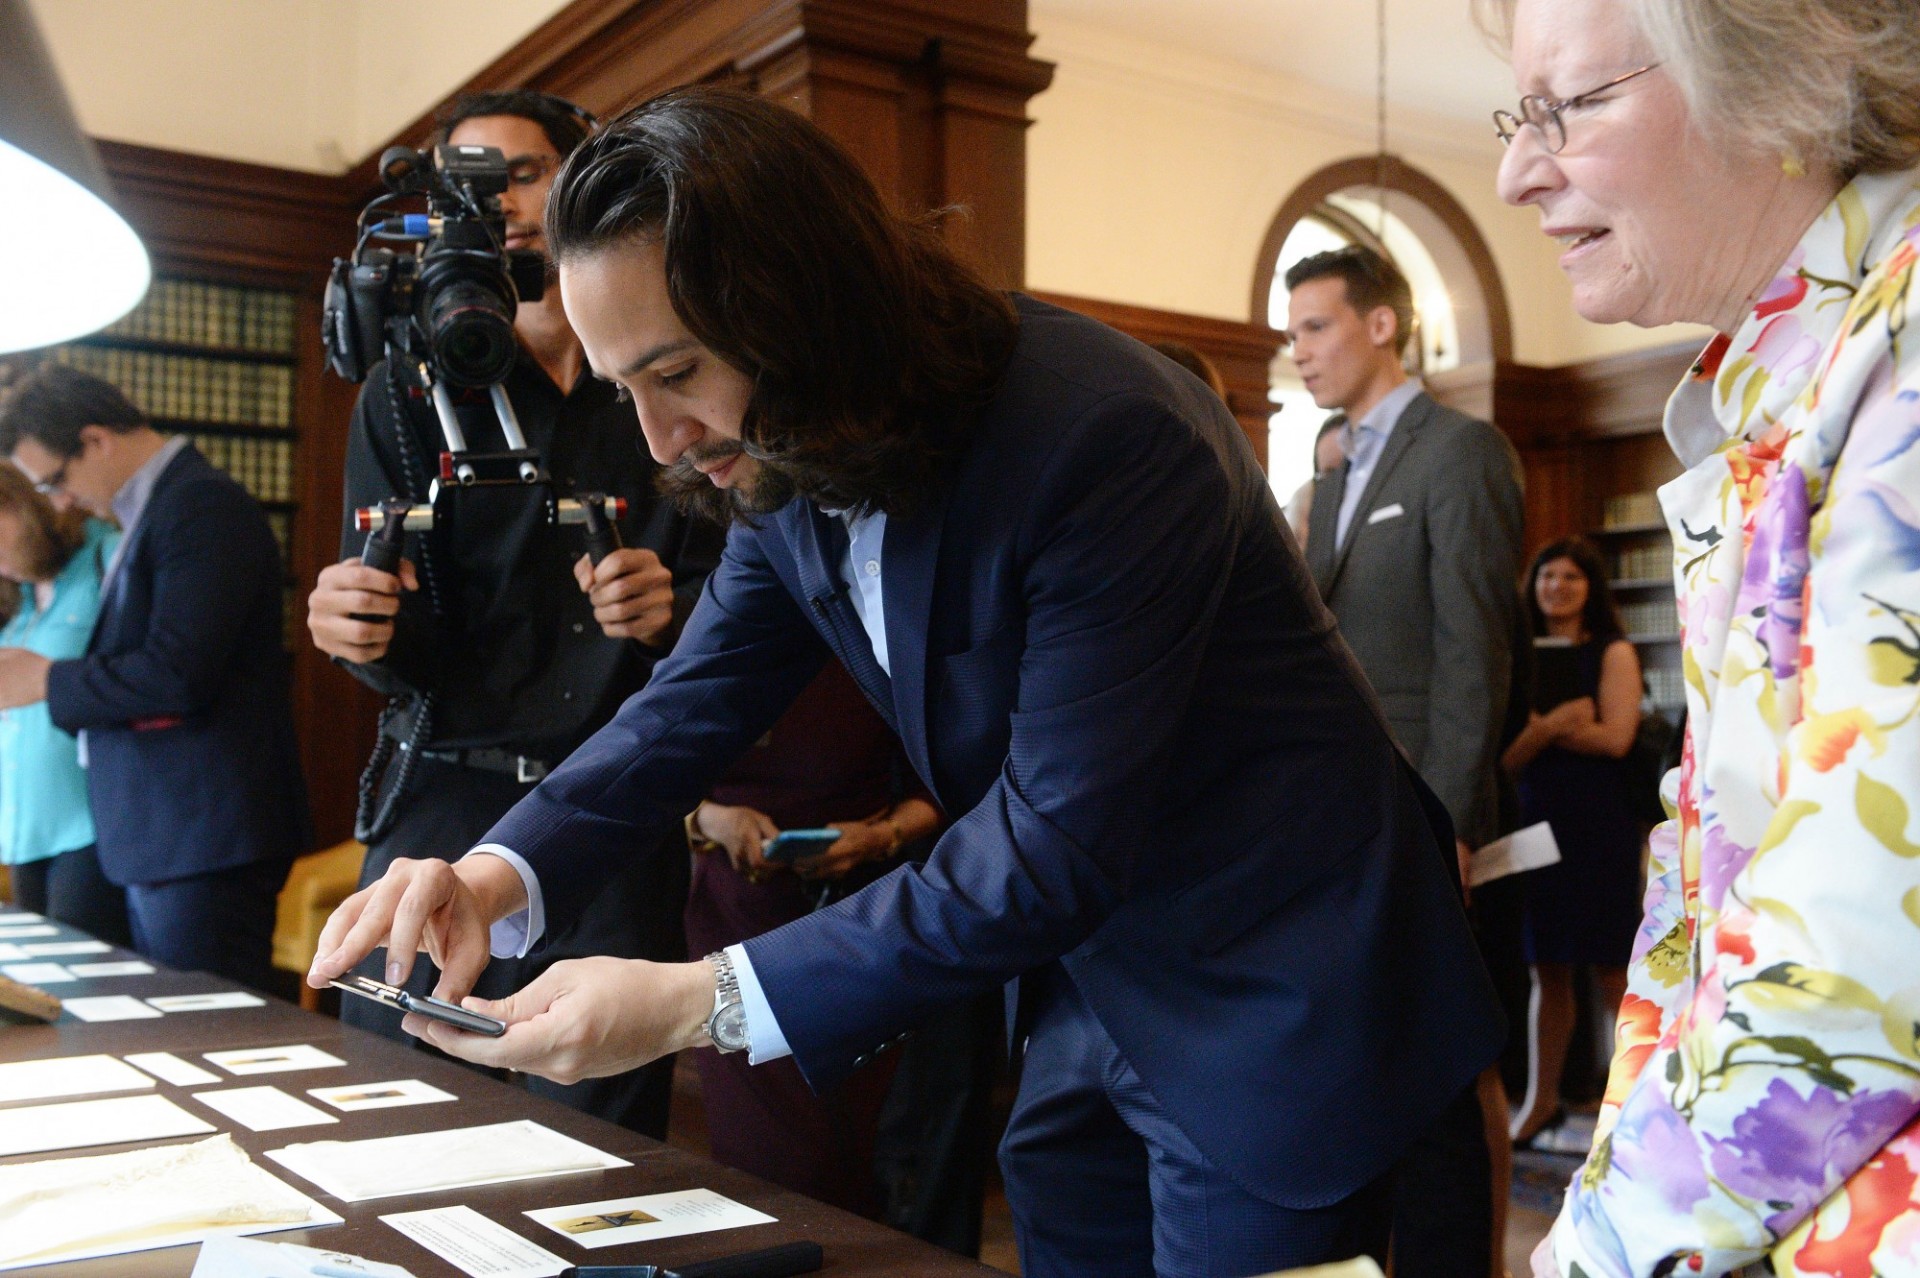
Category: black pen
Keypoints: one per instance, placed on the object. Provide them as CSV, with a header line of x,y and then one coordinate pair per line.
x,y
769,1262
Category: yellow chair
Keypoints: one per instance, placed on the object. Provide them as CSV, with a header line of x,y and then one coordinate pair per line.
x,y
318,882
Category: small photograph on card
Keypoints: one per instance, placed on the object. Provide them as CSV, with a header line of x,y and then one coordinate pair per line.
x,y
604,1220
273,1060
401,1091
647,1217
206,1002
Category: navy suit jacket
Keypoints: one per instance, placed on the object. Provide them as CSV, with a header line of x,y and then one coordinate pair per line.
x,y
192,764
1167,773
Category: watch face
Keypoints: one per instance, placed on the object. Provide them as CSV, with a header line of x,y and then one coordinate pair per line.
x,y
729,1028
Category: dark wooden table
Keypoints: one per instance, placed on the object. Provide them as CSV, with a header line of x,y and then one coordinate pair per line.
x,y
853,1246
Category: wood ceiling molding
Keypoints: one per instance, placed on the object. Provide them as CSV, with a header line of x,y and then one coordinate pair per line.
x,y
1242,352
224,215
929,95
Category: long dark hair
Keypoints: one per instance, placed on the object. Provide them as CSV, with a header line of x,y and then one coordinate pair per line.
x,y
870,346
48,537
1601,616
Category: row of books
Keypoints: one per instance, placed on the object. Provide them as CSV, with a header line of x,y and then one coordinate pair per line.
x,y
281,521
263,464
194,313
1631,510
1651,618
1666,686
190,387
1641,563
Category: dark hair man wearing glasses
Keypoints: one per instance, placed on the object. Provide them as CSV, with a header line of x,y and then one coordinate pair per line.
x,y
1414,543
181,700
1052,563
507,648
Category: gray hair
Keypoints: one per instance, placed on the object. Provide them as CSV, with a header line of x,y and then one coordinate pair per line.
x,y
1830,83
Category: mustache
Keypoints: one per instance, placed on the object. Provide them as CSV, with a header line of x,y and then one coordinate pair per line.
x,y
710,454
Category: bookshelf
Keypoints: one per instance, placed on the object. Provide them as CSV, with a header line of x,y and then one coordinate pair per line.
x,y
217,363
1639,553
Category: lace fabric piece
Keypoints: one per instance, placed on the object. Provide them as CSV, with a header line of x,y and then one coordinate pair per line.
x,y
148,1198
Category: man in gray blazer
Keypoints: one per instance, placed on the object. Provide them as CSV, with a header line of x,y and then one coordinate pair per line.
x,y
1415,546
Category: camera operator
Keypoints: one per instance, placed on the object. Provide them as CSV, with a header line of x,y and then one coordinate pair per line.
x,y
501,644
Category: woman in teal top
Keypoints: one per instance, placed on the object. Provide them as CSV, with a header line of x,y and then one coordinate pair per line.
x,y
51,563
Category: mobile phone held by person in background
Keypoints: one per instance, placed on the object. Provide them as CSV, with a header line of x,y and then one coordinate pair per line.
x,y
789,846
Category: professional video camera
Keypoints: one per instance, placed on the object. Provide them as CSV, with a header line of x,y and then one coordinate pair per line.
x,y
450,301
443,311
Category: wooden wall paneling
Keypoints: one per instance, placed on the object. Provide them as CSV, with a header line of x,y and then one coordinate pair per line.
x,y
929,95
1242,352
1589,431
337,715
246,222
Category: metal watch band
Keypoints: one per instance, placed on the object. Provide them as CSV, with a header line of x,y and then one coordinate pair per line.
x,y
726,1027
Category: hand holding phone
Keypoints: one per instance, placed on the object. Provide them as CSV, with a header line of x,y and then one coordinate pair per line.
x,y
789,846
433,1009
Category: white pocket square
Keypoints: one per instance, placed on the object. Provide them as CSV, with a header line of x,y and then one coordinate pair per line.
x,y
1387,512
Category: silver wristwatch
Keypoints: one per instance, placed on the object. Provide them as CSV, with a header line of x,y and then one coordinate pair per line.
x,y
727,1027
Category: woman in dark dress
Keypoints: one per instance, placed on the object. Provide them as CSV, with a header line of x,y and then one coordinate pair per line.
x,y
1570,764
829,761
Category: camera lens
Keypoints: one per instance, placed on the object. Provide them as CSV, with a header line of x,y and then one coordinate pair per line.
x,y
471,332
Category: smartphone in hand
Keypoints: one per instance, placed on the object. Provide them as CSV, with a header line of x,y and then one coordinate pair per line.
x,y
432,1008
789,846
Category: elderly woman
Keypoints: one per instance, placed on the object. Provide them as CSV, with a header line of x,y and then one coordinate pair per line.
x,y
1750,164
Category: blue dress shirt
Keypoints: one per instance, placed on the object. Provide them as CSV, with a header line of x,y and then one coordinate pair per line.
x,y
1364,442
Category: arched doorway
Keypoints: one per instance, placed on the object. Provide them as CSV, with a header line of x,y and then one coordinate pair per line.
x,y
1410,218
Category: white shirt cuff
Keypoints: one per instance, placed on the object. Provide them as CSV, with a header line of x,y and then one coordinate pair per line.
x,y
514,935
765,1042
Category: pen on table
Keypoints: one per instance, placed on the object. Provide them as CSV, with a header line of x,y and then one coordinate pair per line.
x,y
769,1262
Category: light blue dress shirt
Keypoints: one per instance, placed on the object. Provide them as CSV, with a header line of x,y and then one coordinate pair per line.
x,y
43,790
1364,442
514,935
129,504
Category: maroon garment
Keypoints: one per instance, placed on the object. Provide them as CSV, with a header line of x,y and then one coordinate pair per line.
x,y
830,759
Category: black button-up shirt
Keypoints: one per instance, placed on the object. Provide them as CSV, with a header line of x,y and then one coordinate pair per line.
x,y
500,631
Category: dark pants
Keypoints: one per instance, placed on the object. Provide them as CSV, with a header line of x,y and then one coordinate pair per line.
x,y
934,1139
220,922
636,915
1443,1198
1102,1182
70,888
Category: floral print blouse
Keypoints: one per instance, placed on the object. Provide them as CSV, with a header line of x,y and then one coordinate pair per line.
x,y
1764,1101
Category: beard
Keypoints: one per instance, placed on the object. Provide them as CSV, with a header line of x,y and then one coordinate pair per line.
x,y
770,488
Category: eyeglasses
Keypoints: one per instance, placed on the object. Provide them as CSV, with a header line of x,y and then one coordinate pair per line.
x,y
56,481
1544,113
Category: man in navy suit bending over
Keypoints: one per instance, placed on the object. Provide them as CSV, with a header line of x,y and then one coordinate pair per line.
x,y
1222,900
181,699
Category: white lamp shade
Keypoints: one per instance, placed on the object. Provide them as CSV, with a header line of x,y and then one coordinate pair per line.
x,y
69,265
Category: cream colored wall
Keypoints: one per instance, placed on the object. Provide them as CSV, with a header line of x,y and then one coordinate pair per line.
x,y
1153,175
301,84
